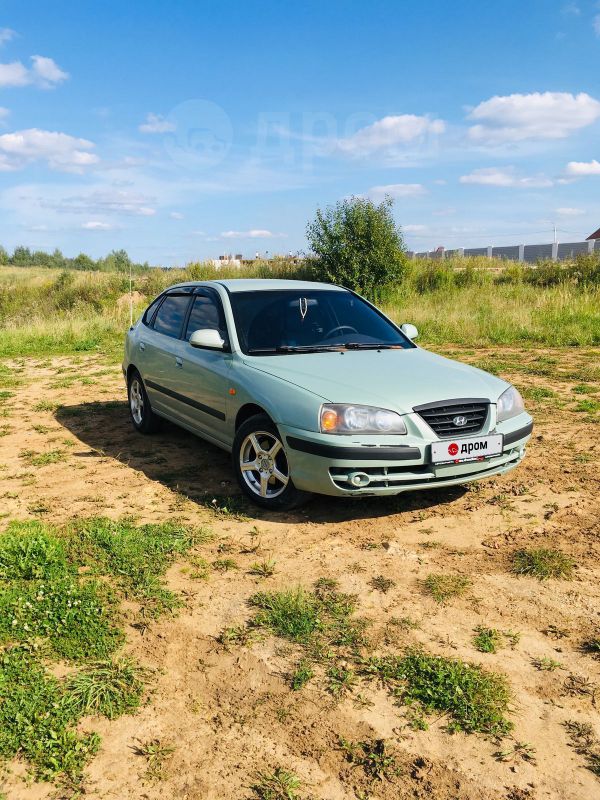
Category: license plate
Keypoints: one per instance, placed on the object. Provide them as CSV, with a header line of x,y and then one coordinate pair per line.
x,y
455,451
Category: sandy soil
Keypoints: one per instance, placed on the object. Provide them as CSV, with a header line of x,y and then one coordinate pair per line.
x,y
229,713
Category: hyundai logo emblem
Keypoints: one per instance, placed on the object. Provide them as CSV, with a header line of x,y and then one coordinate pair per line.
x,y
460,422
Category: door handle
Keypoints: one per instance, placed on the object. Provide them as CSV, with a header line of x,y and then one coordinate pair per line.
x,y
178,362
142,346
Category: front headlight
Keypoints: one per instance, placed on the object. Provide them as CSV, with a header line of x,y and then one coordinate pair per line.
x,y
342,418
510,404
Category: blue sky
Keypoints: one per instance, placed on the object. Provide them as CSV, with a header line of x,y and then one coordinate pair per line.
x,y
184,130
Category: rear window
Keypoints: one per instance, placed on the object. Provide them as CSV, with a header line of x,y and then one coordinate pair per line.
x,y
170,316
149,313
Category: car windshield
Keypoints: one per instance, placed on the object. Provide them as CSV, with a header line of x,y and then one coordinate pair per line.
x,y
300,321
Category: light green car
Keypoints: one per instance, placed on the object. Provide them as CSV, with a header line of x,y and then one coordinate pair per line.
x,y
313,389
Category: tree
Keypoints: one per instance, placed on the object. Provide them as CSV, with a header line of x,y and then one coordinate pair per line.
x,y
117,261
83,261
21,257
357,244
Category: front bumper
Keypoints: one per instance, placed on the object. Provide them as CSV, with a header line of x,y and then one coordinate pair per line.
x,y
332,465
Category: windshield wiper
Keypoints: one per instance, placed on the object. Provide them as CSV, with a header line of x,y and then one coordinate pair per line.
x,y
308,348
371,346
291,348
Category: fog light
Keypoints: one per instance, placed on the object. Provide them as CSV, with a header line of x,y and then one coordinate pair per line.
x,y
359,479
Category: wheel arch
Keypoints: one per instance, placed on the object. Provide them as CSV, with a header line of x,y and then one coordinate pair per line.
x,y
249,410
131,369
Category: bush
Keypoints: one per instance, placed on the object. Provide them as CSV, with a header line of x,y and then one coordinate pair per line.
x,y
357,244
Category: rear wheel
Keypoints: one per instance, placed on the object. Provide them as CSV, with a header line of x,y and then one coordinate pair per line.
x,y
261,466
143,418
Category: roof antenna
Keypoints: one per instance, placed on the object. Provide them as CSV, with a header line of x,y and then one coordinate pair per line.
x,y
130,295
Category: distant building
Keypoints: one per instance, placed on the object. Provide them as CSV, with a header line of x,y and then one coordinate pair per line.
x,y
227,261
595,235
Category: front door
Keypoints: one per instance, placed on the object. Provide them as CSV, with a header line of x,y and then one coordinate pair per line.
x,y
202,375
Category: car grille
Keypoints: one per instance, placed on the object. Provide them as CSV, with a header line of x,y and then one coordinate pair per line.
x,y
440,416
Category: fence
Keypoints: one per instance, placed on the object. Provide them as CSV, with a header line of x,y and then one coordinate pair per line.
x,y
530,253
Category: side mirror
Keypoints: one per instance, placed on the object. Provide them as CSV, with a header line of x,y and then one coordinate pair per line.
x,y
208,338
409,330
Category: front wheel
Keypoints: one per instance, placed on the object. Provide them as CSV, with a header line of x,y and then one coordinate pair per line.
x,y
261,466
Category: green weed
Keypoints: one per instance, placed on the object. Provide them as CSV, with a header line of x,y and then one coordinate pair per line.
x,y
474,699
543,563
588,405
592,646
263,569
59,600
156,754
137,557
43,459
546,664
443,587
487,640
280,784
322,616
224,564
301,675
110,688
36,721
374,757
381,584
341,680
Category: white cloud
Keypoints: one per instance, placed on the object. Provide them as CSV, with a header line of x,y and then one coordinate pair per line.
x,y
44,73
96,225
540,115
4,112
176,215
14,74
388,134
596,24
570,212
414,228
254,233
59,150
6,35
101,201
580,168
571,8
397,190
156,123
495,176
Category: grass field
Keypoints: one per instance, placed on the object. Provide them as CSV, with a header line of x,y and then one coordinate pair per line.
x,y
461,302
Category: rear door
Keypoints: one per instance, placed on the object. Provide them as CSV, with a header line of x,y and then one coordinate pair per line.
x,y
162,352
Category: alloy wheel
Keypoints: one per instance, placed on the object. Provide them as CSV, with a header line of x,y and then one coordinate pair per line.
x,y
264,465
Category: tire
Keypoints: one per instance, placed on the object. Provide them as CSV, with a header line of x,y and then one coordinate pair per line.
x,y
269,485
143,419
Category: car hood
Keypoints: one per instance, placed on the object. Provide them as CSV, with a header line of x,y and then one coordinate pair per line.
x,y
394,379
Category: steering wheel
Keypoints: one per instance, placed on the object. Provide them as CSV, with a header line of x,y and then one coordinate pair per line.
x,y
340,328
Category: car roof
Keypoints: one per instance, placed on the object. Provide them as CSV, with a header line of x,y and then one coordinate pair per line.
x,y
264,285
270,284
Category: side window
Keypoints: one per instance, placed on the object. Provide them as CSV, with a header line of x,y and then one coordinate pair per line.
x,y
207,312
149,313
170,316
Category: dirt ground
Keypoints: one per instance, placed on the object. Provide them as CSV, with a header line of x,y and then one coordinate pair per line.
x,y
228,713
